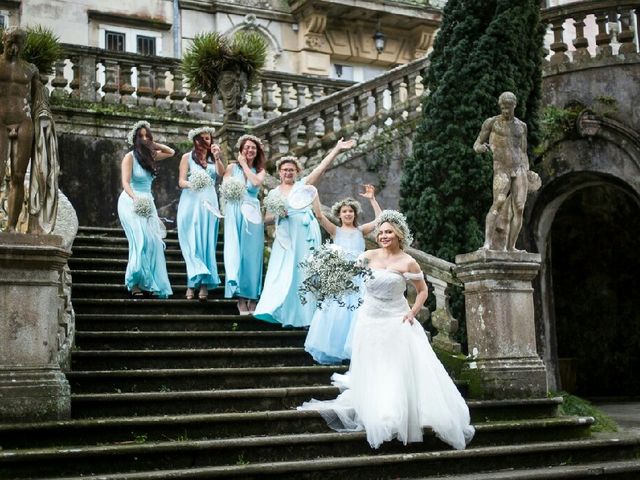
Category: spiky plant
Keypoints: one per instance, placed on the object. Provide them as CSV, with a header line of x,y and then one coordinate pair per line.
x,y
42,48
212,53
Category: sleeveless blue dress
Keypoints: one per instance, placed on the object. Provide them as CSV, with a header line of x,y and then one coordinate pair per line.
x,y
243,245
329,337
198,231
296,234
146,268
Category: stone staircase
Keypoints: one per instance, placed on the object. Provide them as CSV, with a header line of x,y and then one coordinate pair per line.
x,y
177,389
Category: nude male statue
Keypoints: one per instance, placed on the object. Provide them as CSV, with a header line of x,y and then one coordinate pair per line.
x,y
18,84
506,137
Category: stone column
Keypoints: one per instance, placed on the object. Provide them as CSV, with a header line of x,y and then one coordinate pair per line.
x,y
32,386
503,360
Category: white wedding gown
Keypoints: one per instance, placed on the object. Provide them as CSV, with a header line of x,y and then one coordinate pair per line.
x,y
395,385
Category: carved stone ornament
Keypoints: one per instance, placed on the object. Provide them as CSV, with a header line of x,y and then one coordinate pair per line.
x,y
232,86
315,41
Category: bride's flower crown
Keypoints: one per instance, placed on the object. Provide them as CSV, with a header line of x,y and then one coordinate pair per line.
x,y
349,202
246,137
289,159
399,220
194,132
131,136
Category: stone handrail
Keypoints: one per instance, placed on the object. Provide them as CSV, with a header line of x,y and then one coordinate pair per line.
x,y
388,99
92,74
614,21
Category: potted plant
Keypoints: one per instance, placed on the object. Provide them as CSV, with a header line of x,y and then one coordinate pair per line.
x,y
226,66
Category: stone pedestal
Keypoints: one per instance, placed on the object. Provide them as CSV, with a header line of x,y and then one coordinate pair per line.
x,y
503,360
32,386
227,137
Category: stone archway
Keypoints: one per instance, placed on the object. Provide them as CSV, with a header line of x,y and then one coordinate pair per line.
x,y
594,261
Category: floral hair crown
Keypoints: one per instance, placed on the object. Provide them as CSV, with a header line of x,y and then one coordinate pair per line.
x,y
131,136
246,137
400,221
349,202
194,132
289,159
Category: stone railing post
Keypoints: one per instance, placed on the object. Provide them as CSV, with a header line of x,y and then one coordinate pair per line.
x,y
603,38
32,384
178,94
442,318
558,47
581,43
111,76
144,90
160,93
501,324
126,85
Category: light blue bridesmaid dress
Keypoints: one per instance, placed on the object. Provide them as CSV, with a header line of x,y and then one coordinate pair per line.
x,y
198,231
243,245
147,268
296,234
329,337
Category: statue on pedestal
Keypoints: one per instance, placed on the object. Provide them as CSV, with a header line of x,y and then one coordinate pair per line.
x,y
27,137
506,137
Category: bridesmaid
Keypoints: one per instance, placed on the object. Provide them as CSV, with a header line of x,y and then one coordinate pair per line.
x,y
329,337
296,234
244,239
146,269
198,213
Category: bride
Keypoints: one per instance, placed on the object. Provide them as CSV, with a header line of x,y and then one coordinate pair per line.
x,y
395,385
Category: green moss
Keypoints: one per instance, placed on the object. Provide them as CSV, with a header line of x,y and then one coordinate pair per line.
x,y
573,405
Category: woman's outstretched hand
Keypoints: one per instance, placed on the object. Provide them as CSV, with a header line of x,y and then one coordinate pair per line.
x,y
369,191
345,144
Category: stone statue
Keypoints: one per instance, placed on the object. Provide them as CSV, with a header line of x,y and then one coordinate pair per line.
x,y
27,137
506,137
232,86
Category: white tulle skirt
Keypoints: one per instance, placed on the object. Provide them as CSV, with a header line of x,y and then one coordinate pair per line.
x,y
395,385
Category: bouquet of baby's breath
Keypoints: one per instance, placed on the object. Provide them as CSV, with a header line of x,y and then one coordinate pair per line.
x,y
143,207
232,190
330,275
200,179
275,203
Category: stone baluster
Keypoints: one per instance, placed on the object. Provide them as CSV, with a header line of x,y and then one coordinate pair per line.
x,y
292,132
626,35
126,85
178,94
412,96
603,38
161,93
558,46
75,80
328,116
345,113
280,141
396,93
581,43
269,104
442,319
145,90
285,93
255,105
111,76
362,106
59,82
317,92
301,94
195,105
381,113
311,128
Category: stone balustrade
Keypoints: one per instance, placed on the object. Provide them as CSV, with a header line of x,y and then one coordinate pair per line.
x,y
588,30
89,74
387,100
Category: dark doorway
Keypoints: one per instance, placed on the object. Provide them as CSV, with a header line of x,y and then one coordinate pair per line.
x,y
595,248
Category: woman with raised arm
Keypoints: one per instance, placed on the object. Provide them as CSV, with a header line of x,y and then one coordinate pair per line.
x,y
297,231
146,269
198,212
395,386
243,226
329,337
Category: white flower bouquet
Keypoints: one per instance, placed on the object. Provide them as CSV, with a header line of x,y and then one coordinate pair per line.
x,y
233,190
330,275
275,203
143,207
200,179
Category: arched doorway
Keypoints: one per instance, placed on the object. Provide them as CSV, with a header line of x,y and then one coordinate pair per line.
x,y
595,272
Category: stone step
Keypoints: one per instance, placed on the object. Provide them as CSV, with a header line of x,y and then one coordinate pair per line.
x,y
115,430
171,322
122,252
215,306
180,379
622,470
93,290
94,405
336,460
83,240
117,276
108,232
188,358
120,264
143,340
